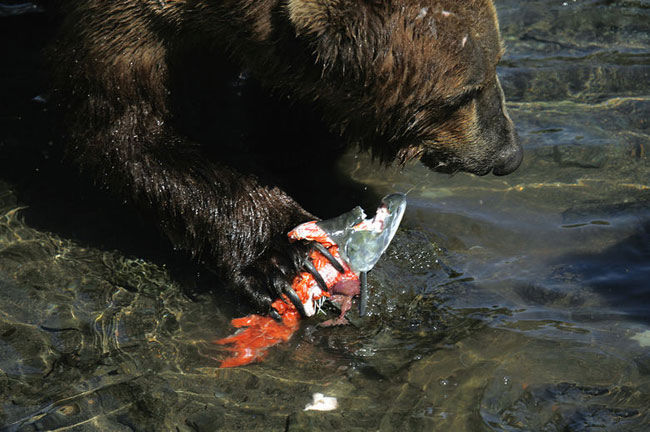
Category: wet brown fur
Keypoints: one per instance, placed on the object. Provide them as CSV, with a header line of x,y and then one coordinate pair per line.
x,y
405,79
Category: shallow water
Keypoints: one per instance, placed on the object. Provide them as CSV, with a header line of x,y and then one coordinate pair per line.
x,y
518,303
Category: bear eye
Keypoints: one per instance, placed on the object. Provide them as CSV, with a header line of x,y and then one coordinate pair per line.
x,y
464,97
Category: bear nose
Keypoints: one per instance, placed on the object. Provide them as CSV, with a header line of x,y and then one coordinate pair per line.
x,y
510,158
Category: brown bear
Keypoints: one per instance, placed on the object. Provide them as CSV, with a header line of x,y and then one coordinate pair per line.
x,y
403,79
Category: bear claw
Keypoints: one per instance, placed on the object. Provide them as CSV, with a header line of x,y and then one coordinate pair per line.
x,y
309,266
296,301
327,254
275,314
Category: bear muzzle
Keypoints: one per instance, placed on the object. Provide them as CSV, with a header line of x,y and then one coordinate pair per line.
x,y
509,158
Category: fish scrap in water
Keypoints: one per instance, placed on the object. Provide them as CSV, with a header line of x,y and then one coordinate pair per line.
x,y
320,402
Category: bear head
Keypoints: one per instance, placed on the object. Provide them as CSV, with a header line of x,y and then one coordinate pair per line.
x,y
410,79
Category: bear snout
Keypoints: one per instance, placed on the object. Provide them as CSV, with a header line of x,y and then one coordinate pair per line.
x,y
510,157
498,131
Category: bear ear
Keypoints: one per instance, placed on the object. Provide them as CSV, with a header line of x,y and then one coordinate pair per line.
x,y
311,16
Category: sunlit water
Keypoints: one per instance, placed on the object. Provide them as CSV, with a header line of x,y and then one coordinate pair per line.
x,y
519,303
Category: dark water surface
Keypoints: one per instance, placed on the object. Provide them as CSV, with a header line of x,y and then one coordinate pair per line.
x,y
518,303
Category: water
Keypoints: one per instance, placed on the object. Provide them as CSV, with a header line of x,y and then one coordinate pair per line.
x,y
519,303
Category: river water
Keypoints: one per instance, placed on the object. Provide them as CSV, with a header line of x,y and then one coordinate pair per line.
x,y
518,303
